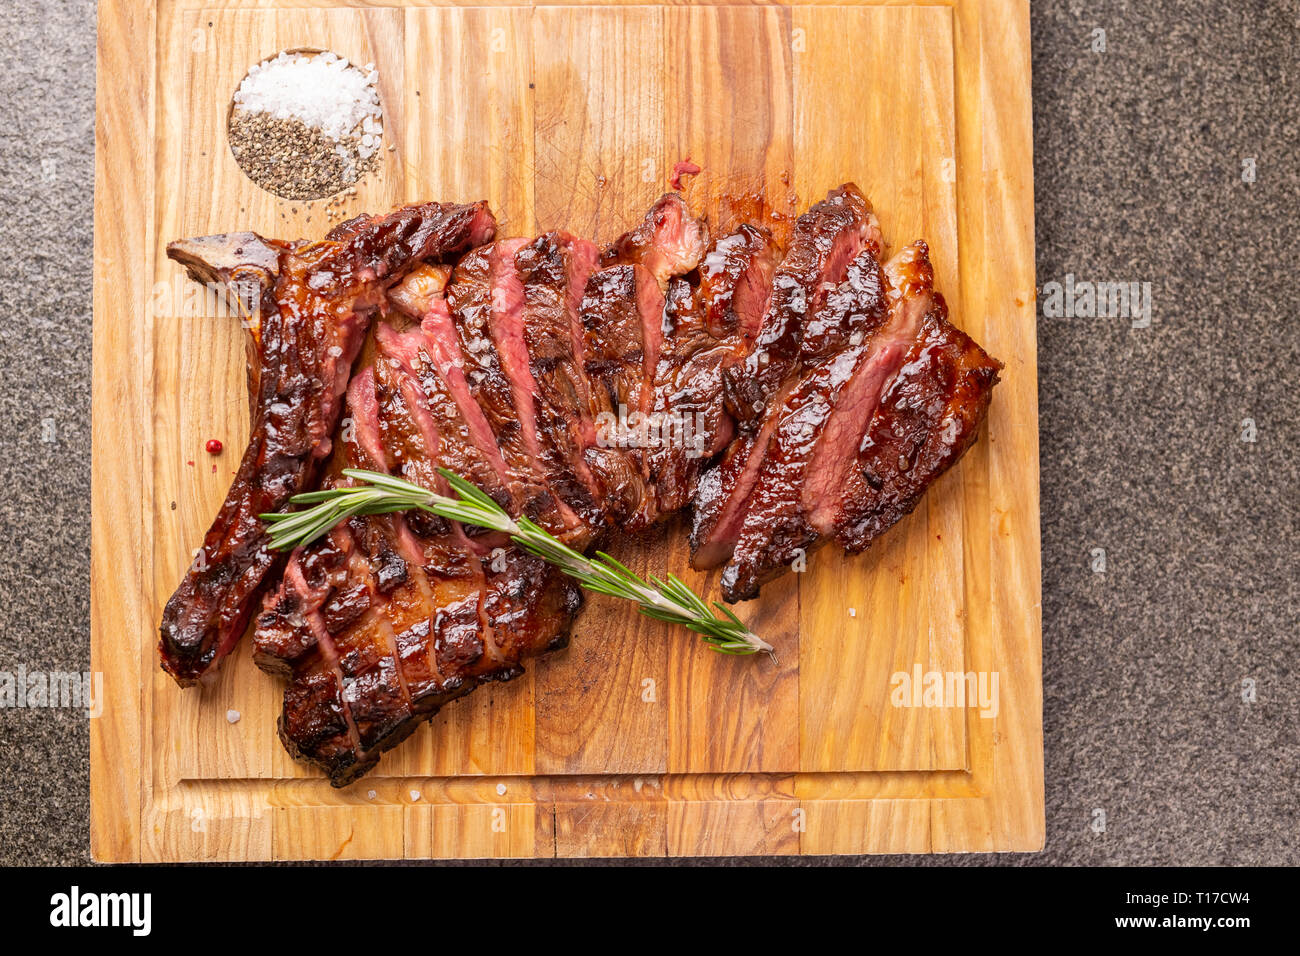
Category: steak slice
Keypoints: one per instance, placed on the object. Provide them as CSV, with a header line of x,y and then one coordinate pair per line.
x,y
688,424
773,531
826,239
668,241
486,297
539,339
622,332
928,417
909,280
853,309
736,282
310,328
630,363
722,497
707,329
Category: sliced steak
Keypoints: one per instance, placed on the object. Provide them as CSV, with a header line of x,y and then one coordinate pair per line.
x,y
310,329
876,315
622,314
707,330
909,280
486,296
736,283
435,359
826,239
851,311
436,413
540,339
406,616
687,424
583,391
774,531
814,483
928,417
630,365
833,393
725,490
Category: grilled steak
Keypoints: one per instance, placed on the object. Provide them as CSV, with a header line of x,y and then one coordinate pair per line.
x,y
880,371
482,370
826,239
727,306
773,531
792,398
388,618
927,418
313,319
668,242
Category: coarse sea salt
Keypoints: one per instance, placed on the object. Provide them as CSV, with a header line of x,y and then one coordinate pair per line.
x,y
323,91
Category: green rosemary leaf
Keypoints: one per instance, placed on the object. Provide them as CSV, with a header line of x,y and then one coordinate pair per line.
x,y
468,491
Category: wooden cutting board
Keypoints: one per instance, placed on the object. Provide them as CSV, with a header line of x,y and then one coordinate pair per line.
x,y
636,741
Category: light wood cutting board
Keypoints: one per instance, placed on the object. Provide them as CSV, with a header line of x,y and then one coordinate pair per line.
x,y
637,740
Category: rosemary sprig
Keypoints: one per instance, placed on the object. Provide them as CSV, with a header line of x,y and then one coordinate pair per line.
x,y
663,600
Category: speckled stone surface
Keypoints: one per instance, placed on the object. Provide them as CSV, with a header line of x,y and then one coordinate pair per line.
x,y
1139,157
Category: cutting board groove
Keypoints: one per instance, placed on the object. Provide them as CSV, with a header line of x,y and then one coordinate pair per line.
x,y
636,740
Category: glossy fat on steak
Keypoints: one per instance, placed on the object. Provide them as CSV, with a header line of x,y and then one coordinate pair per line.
x,y
826,239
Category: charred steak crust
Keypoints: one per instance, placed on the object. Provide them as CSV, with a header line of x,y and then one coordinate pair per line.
x,y
383,622
890,395
826,239
314,322
929,416
790,398
389,618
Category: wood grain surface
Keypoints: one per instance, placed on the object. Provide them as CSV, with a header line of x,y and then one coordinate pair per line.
x,y
637,740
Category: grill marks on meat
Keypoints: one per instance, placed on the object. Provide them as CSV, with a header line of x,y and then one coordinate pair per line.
x,y
879,372
710,329
537,342
826,239
584,390
412,616
408,358
736,283
773,531
621,315
633,354
554,269
910,295
407,612
770,301
314,318
487,297
928,417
